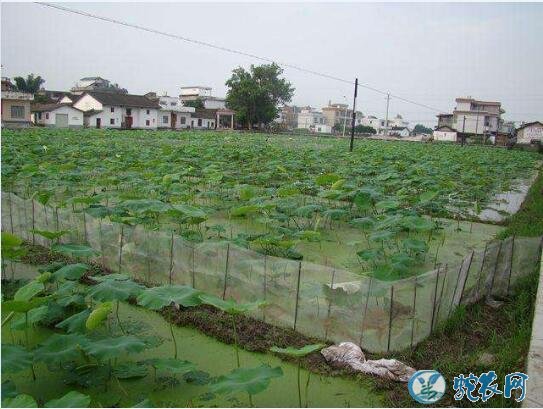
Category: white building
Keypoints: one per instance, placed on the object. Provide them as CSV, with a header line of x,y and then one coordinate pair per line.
x,y
402,131
198,92
172,114
530,132
374,122
115,110
445,134
309,118
57,116
476,117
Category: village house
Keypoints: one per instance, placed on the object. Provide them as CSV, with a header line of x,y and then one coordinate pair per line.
x,y
313,120
529,133
116,110
198,92
445,133
57,116
402,131
172,113
203,119
287,117
477,118
374,122
15,106
96,84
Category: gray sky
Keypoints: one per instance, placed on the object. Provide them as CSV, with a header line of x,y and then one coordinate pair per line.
x,y
430,53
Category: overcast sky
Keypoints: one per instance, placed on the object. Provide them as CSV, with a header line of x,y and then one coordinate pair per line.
x,y
430,53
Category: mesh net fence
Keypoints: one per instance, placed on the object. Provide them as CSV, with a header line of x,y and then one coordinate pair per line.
x,y
317,300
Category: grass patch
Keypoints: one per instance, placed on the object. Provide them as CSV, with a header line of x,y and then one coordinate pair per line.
x,y
477,338
528,221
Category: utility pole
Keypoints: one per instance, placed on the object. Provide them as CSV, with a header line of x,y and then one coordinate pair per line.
x,y
386,118
354,114
463,129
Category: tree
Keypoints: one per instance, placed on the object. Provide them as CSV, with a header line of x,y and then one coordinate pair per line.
x,y
31,84
364,129
419,128
256,94
197,103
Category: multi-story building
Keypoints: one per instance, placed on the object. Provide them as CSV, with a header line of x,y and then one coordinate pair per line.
x,y
15,106
198,92
172,113
96,84
474,117
313,120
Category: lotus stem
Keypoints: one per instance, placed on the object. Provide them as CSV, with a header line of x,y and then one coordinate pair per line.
x,y
236,340
307,389
250,400
118,319
173,337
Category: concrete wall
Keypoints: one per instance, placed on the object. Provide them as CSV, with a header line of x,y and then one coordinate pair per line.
x,y
205,124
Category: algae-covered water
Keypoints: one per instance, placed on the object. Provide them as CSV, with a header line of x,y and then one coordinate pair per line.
x,y
208,354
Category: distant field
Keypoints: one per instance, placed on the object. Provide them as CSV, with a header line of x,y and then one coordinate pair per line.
x,y
377,210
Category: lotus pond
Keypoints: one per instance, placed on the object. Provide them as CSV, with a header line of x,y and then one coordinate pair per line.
x,y
70,339
389,209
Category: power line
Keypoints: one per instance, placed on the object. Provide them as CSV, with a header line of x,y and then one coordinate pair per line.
x,y
233,51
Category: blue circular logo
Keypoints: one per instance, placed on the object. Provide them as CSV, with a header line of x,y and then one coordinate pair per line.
x,y
427,386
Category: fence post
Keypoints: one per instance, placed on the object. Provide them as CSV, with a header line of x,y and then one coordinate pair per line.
x,y
33,223
193,272
477,292
362,324
490,284
265,286
390,317
441,294
85,227
56,218
297,294
171,260
121,247
10,212
226,271
413,318
434,302
329,304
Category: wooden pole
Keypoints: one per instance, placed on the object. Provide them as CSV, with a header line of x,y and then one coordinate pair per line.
x,y
297,294
226,271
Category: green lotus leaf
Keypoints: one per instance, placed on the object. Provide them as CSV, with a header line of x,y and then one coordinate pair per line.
x,y
15,358
156,298
109,348
28,291
35,316
109,290
250,380
298,352
71,271
415,245
364,223
8,389
172,365
327,179
130,370
51,235
72,399
146,403
20,401
74,250
98,315
23,306
243,211
61,348
75,323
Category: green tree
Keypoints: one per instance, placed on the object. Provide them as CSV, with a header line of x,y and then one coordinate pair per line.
x,y
256,94
197,103
364,129
419,128
31,84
